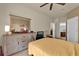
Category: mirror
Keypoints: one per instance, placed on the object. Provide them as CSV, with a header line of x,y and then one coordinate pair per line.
x,y
19,24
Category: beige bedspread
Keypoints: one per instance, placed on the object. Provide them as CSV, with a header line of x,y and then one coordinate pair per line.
x,y
51,47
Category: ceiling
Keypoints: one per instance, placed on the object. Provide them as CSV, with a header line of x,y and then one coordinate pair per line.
x,y
57,10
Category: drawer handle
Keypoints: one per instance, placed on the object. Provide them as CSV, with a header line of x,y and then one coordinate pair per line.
x,y
23,46
23,41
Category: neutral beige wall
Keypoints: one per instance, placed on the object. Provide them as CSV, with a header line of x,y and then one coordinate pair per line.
x,y
39,21
73,13
4,20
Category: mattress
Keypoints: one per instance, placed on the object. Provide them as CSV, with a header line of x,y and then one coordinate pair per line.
x,y
51,47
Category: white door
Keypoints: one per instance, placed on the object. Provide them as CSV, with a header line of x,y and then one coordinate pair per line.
x,y
72,30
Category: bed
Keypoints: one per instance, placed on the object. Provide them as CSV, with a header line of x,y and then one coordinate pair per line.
x,y
51,47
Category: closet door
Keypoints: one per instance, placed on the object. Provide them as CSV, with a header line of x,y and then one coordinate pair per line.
x,y
72,30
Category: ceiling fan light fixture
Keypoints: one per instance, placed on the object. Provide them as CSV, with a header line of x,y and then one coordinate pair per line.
x,y
51,5
44,4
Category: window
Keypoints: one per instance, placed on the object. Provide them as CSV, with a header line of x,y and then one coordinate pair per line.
x,y
62,27
62,30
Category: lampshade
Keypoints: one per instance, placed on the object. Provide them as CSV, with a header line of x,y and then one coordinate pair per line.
x,y
7,28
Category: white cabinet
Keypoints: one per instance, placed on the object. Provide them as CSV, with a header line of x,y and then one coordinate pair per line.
x,y
16,42
72,29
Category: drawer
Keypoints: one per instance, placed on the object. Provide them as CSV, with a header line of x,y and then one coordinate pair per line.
x,y
24,46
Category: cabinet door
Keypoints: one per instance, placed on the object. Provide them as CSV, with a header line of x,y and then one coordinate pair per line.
x,y
21,43
29,37
72,30
11,45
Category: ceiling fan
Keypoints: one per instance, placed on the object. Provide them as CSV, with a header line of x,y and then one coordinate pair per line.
x,y
51,4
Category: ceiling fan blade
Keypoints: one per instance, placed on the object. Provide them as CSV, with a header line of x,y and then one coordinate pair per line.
x,y
61,3
44,4
51,6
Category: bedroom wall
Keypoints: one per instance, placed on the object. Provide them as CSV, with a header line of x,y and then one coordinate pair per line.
x,y
4,20
73,13
39,21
